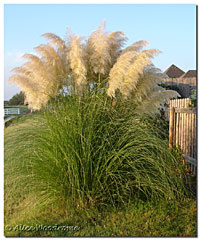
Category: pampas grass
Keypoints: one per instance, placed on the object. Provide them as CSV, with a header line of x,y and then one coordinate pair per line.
x,y
96,149
73,65
131,78
76,61
119,71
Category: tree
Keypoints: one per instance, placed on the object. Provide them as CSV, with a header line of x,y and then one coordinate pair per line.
x,y
79,67
17,99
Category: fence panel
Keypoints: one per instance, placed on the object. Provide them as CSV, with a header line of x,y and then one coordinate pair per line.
x,y
180,103
184,131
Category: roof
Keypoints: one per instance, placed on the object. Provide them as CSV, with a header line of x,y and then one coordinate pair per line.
x,y
190,73
174,72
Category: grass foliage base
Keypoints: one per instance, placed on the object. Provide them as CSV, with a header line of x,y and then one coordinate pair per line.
x,y
97,154
35,188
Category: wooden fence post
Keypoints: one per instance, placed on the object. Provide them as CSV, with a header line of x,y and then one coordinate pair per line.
x,y
171,127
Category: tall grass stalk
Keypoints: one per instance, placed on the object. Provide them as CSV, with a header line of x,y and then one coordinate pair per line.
x,y
95,154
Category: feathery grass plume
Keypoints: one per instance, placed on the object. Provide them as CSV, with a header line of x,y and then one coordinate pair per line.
x,y
40,68
102,50
45,75
98,51
56,40
119,71
128,82
22,70
101,59
141,61
152,103
76,62
22,79
61,47
32,91
52,67
24,82
116,40
137,46
148,82
51,57
34,60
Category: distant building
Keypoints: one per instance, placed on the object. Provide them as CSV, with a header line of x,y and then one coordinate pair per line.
x,y
174,72
189,74
178,79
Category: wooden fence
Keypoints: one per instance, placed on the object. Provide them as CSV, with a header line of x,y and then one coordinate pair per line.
x,y
182,130
180,103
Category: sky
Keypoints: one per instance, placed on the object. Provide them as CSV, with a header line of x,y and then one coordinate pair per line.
x,y
170,28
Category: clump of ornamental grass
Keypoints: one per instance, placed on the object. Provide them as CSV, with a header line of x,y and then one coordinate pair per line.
x,y
98,149
94,154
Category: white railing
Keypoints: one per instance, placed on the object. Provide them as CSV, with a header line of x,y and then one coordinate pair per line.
x,y
10,111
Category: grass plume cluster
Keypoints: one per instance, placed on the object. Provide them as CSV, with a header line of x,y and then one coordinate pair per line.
x,y
72,64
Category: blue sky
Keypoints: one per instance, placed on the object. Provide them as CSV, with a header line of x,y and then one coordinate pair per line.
x,y
170,28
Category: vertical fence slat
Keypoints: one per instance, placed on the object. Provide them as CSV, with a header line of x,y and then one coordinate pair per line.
x,y
177,130
189,138
179,136
184,130
193,135
192,155
183,134
187,129
171,127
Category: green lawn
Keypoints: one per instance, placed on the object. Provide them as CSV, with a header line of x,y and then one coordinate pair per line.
x,y
138,219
